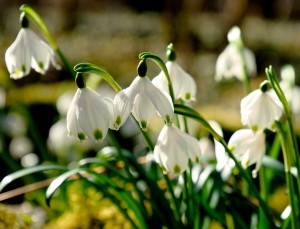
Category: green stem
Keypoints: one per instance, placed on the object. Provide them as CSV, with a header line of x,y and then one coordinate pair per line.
x,y
289,177
92,68
161,64
189,112
44,29
288,114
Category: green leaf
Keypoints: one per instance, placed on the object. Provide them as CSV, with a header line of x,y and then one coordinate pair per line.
x,y
92,68
56,183
273,163
21,173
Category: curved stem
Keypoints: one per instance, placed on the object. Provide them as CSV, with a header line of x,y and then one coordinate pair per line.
x,y
44,29
92,68
161,64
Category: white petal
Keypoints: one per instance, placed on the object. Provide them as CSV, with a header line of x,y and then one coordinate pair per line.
x,y
73,115
18,56
248,147
229,63
184,85
260,110
170,150
122,106
162,102
160,81
88,113
143,110
40,52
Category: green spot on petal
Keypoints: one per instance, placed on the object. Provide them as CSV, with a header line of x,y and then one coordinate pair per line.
x,y
23,68
41,65
98,135
197,159
188,96
231,148
81,136
168,119
254,128
118,120
177,169
144,125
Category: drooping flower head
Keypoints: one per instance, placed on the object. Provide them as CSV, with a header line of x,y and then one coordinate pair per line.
x,y
174,148
143,99
88,115
235,57
260,109
184,85
248,147
28,51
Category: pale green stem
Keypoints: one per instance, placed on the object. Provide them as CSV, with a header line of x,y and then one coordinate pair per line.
x,y
51,40
294,201
161,64
189,112
291,133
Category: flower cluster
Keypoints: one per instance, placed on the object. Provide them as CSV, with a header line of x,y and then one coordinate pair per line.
x,y
259,111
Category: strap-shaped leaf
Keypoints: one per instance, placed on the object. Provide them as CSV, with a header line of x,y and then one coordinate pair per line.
x,y
57,182
21,173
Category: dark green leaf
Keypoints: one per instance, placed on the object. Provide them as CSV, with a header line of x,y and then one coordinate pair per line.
x,y
8,179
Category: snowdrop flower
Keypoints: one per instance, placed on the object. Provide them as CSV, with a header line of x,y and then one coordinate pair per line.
x,y
184,86
143,99
174,148
28,51
248,147
231,62
260,109
88,115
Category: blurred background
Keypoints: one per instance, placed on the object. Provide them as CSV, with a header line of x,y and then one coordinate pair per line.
x,y
111,34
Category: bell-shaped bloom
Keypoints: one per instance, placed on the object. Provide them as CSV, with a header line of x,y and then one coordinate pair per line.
x,y
26,52
230,64
184,86
174,148
248,147
143,99
88,115
260,110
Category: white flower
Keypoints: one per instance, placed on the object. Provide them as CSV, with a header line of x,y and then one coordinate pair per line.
x,y
174,148
184,86
230,64
248,147
143,99
88,115
260,110
28,51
